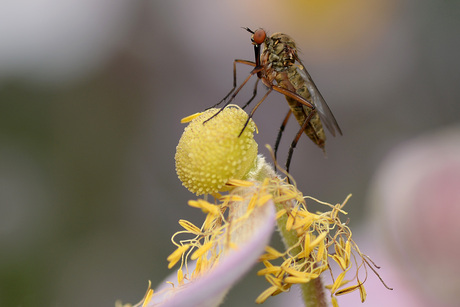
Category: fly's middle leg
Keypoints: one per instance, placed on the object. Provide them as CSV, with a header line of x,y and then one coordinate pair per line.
x,y
254,110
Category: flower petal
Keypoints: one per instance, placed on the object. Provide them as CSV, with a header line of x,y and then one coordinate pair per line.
x,y
210,289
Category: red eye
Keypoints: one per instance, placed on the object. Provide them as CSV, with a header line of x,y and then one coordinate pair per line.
x,y
259,36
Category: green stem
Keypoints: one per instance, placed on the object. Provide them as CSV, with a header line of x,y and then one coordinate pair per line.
x,y
312,291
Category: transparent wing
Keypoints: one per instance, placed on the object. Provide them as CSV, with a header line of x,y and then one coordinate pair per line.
x,y
325,114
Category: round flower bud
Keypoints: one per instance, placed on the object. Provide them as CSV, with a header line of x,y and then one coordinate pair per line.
x,y
211,153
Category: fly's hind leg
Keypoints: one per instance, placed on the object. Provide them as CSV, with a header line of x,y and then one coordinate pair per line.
x,y
297,137
280,132
303,102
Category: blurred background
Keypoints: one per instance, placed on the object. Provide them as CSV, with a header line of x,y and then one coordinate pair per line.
x,y
91,97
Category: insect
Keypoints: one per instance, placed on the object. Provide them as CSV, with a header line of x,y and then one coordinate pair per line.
x,y
279,62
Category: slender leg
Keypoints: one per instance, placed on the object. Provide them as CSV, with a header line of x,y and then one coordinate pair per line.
x,y
293,95
280,132
252,73
254,94
297,137
279,89
234,80
254,109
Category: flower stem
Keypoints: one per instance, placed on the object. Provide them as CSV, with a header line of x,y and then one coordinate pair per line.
x,y
312,291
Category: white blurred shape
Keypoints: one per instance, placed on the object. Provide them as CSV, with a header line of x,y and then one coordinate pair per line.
x,y
416,200
58,41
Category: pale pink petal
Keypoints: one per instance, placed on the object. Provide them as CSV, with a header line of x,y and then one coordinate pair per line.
x,y
209,290
417,206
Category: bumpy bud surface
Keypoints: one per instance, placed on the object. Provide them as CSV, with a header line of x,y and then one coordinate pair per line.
x,y
210,154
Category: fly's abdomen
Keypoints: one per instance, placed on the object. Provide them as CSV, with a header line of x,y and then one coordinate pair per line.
x,y
291,80
314,128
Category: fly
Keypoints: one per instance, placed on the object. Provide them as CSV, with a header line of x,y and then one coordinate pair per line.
x,y
279,62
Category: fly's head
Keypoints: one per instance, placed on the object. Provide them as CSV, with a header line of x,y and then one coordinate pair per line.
x,y
258,36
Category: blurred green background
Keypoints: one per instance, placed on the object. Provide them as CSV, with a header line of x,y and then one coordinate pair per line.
x,y
91,97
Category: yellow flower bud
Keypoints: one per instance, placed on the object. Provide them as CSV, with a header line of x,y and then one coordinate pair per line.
x,y
210,154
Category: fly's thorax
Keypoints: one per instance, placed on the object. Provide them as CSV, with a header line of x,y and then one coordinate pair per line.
x,y
281,51
281,38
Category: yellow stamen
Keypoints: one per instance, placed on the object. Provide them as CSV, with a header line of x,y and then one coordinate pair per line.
x,y
318,239
289,222
297,280
360,287
321,251
266,294
270,270
338,282
190,118
239,183
176,255
148,298
180,277
362,293
200,251
294,272
190,227
204,206
231,198
307,249
273,252
274,281
342,263
280,213
334,302
313,236
347,290
347,253
263,200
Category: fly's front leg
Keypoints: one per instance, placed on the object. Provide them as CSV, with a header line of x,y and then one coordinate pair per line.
x,y
254,94
252,73
234,80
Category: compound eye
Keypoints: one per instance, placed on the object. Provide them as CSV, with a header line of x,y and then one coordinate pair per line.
x,y
259,36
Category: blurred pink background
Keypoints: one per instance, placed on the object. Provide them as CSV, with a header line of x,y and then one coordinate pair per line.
x,y
91,95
